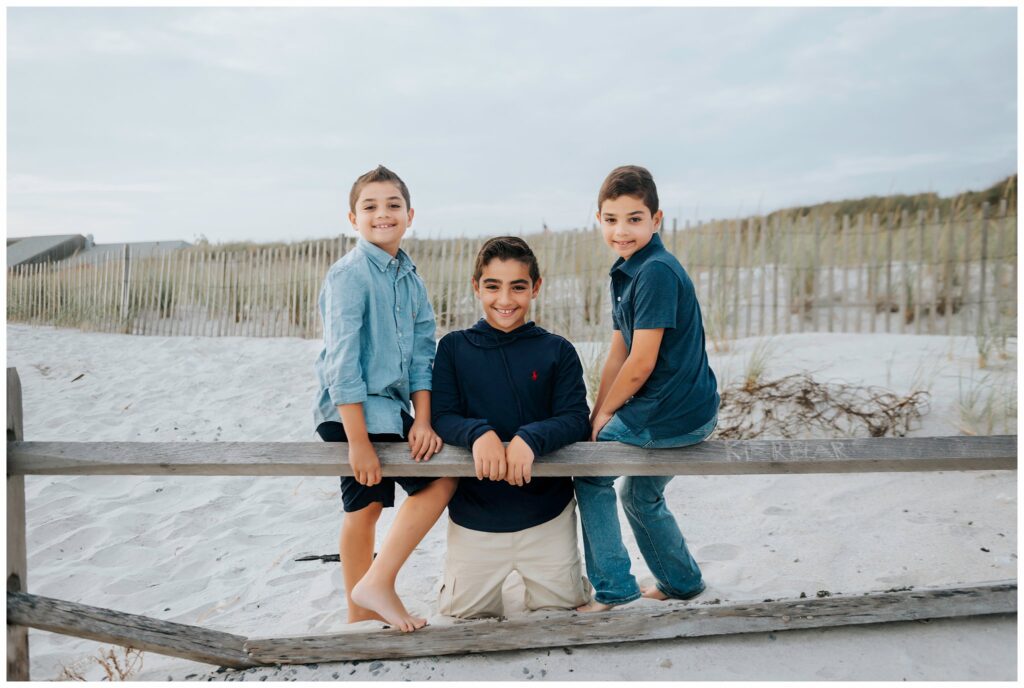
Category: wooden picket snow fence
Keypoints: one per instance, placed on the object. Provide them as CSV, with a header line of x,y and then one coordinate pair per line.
x,y
922,275
553,629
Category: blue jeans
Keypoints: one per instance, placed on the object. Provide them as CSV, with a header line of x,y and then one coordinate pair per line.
x,y
661,543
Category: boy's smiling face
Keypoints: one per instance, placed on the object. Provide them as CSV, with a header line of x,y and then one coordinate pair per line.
x,y
381,216
627,224
505,292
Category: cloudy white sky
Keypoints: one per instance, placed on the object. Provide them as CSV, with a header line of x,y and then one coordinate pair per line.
x,y
250,124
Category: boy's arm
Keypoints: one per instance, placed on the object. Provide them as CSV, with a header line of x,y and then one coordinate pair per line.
x,y
343,311
446,403
424,347
423,441
568,421
638,366
361,454
616,357
655,308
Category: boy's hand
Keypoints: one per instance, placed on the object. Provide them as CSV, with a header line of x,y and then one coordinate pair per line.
x,y
489,457
365,463
599,421
519,457
423,441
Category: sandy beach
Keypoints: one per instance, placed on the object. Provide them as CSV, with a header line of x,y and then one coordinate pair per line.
x,y
220,552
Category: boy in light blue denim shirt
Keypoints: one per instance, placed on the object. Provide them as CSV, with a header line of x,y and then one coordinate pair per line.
x,y
378,355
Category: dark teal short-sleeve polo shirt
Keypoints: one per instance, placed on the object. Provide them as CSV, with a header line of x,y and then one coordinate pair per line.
x,y
651,291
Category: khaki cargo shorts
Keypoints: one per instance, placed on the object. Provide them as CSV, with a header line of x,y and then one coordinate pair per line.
x,y
547,557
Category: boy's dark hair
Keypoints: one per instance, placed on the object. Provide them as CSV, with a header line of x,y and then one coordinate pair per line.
x,y
506,248
629,180
381,174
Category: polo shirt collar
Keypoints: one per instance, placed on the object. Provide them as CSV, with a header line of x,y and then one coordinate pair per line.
x,y
381,258
629,267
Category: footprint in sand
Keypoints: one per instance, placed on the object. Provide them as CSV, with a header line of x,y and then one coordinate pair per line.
x,y
718,552
776,511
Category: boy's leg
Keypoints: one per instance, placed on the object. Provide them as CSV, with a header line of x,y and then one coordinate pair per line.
x,y
548,559
661,543
657,533
355,548
476,565
606,555
419,512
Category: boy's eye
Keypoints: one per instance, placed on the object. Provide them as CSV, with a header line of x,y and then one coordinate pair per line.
x,y
395,206
634,219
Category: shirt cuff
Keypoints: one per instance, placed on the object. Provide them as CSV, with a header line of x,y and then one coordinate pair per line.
x,y
478,432
529,442
347,394
420,384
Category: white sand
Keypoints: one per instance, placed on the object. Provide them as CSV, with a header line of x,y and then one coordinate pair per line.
x,y
219,552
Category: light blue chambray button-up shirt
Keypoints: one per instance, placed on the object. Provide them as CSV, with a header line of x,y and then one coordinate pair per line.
x,y
378,337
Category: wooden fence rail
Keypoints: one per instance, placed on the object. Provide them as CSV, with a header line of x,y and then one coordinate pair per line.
x,y
308,459
924,275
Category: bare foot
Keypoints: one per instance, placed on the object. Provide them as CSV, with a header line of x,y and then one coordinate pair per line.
x,y
383,600
652,593
357,614
595,606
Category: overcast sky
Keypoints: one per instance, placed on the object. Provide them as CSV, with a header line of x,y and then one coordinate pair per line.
x,y
251,124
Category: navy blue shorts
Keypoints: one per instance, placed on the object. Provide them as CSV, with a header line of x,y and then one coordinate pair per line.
x,y
355,496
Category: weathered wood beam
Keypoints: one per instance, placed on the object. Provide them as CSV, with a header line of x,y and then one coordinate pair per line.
x,y
129,630
671,620
714,457
17,554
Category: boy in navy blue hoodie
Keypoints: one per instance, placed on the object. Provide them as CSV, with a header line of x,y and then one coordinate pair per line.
x,y
507,380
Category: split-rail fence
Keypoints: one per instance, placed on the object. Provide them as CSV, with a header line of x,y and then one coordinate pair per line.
x,y
553,629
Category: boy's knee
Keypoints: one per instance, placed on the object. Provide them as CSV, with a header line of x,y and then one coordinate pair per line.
x,y
369,514
637,495
594,481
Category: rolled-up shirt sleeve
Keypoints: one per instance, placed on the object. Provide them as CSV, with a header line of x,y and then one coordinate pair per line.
x,y
424,344
343,307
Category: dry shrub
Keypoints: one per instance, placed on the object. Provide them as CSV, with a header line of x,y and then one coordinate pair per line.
x,y
798,406
119,664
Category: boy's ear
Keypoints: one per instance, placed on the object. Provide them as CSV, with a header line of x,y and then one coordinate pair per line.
x,y
536,285
658,217
352,218
476,286
411,212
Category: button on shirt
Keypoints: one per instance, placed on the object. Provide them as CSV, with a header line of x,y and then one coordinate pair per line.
x,y
651,291
378,337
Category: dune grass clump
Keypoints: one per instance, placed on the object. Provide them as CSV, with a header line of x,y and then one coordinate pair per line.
x,y
118,664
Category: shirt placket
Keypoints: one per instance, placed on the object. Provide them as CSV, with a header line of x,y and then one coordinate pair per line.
x,y
402,343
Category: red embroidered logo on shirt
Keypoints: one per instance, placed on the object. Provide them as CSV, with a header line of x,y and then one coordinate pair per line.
x,y
534,376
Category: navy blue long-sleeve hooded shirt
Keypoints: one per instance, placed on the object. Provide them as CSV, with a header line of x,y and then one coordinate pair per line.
x,y
527,382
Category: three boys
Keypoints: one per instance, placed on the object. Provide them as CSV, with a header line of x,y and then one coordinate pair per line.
x,y
507,380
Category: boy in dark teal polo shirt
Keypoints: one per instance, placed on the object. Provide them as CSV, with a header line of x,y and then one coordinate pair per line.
x,y
657,391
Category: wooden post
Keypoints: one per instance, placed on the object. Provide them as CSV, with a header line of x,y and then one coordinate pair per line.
x,y
984,254
845,257
965,299
776,259
905,269
17,554
997,266
762,287
947,295
889,229
936,232
919,296
748,273
125,277
675,248
737,256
